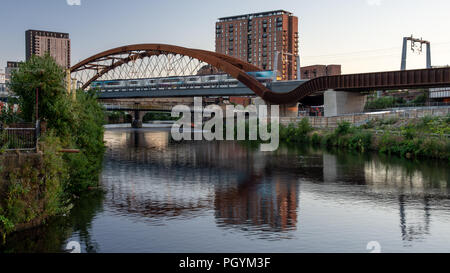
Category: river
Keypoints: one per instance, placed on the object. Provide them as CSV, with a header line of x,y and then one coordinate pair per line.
x,y
162,196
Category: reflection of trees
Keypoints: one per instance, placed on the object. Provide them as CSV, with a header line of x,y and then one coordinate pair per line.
x,y
51,238
81,217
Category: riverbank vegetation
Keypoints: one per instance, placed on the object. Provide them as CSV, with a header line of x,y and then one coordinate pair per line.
x,y
74,122
427,137
391,102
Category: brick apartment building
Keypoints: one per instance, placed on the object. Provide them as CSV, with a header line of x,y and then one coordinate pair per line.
x,y
39,42
255,38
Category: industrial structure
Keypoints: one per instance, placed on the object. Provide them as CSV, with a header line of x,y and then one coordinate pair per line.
x,y
268,40
414,48
39,42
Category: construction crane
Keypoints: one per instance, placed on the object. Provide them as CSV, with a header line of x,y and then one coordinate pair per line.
x,y
414,47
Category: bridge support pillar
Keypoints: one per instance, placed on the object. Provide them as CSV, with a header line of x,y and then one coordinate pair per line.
x,y
286,110
342,102
137,119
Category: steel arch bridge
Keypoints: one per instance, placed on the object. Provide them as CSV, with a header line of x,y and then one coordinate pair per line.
x,y
161,60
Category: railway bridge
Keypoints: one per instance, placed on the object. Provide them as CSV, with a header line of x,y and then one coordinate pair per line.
x,y
342,94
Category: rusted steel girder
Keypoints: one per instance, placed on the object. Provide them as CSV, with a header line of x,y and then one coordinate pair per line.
x,y
412,79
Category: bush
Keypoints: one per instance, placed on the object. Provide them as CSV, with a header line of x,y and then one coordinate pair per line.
x,y
316,139
361,141
296,134
382,103
343,128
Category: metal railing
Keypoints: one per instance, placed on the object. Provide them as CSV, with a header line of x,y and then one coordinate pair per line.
x,y
405,106
21,136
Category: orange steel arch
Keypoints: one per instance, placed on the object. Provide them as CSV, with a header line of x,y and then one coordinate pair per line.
x,y
232,66
420,78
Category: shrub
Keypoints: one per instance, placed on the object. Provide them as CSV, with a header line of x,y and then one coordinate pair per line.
x,y
343,128
296,133
316,139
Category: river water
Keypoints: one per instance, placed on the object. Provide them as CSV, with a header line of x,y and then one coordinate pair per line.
x,y
162,196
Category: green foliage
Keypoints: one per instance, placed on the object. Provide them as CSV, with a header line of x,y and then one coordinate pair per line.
x,y
421,99
7,114
71,123
343,128
87,135
78,123
360,141
316,139
382,103
296,133
115,116
151,116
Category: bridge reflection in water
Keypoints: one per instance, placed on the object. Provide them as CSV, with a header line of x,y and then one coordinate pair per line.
x,y
260,194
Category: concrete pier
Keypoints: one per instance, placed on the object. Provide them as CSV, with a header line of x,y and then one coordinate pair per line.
x,y
342,102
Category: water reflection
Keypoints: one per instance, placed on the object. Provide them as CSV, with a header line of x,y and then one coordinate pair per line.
x,y
163,196
259,193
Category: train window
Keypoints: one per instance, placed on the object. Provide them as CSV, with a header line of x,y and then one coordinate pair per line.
x,y
211,78
192,79
113,83
134,82
170,80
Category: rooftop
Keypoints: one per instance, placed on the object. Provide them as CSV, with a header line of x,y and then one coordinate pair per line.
x,y
48,33
251,15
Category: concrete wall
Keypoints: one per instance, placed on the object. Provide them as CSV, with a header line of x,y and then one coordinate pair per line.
x,y
341,103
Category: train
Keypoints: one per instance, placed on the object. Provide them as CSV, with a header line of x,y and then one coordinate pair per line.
x,y
203,81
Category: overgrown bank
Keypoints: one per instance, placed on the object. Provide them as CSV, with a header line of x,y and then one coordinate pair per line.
x,y
409,138
33,192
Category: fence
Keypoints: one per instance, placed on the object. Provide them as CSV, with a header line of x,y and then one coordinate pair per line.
x,y
362,118
20,136
427,105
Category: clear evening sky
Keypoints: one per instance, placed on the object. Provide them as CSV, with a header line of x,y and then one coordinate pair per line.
x,y
362,35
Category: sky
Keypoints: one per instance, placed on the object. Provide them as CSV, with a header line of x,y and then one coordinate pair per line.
x,y
361,35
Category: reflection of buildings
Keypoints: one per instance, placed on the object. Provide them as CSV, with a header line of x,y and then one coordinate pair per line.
x,y
267,205
258,193
392,183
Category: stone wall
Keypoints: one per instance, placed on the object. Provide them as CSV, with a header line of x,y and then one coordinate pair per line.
x,y
25,169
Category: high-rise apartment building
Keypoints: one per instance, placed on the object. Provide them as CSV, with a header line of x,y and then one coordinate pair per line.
x,y
39,42
259,38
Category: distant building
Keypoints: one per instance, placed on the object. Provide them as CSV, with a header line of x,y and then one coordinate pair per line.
x,y
39,42
10,67
2,89
314,71
2,76
440,94
207,70
259,38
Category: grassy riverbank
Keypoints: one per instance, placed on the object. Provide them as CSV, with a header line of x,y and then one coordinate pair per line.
x,y
33,192
410,138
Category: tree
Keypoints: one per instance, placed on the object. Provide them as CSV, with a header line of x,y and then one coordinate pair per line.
x,y
44,74
77,123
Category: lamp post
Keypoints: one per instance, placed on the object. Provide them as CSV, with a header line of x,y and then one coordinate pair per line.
x,y
37,104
